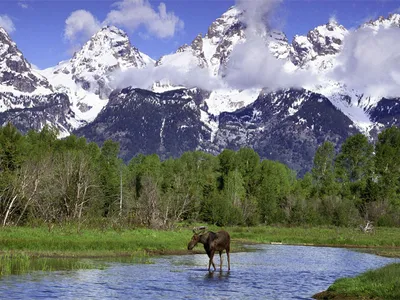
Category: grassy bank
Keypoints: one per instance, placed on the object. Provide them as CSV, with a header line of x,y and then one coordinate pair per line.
x,y
66,242
383,241
383,283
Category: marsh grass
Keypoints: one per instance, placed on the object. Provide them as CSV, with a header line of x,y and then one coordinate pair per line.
x,y
383,283
20,263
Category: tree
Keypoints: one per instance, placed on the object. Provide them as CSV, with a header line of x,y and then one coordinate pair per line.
x,y
109,172
323,170
274,188
12,148
248,163
354,167
387,161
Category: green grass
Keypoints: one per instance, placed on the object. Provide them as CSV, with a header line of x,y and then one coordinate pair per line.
x,y
66,242
383,283
89,242
19,263
337,236
27,248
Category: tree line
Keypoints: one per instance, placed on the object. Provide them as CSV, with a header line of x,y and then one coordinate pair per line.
x,y
48,180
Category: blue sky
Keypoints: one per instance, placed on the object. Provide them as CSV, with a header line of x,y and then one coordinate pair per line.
x,y
38,26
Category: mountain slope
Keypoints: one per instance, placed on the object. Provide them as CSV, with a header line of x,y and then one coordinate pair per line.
x,y
86,77
16,73
285,125
146,122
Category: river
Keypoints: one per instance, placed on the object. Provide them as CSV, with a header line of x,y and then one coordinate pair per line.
x,y
266,272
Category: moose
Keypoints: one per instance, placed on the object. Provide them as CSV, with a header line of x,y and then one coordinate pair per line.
x,y
212,241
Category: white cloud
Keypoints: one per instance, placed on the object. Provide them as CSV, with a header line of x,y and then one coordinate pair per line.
x,y
23,5
251,64
133,13
370,62
144,78
258,13
129,14
7,23
80,25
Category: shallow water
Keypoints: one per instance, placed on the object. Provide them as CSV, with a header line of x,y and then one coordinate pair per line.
x,y
271,272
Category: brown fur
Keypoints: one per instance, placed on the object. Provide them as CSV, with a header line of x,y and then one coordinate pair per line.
x,y
212,242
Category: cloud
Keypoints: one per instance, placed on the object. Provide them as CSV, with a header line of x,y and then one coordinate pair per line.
x,y
133,13
129,14
146,77
370,62
80,25
23,5
258,13
251,63
7,24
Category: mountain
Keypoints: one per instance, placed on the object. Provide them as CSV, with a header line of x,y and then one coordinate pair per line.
x,y
167,124
287,125
393,20
170,118
36,111
27,99
358,104
86,77
212,51
16,73
321,42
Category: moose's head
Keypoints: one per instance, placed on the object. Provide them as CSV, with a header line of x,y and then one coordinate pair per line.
x,y
198,231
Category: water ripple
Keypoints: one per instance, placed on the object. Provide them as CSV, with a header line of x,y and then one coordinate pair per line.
x,y
271,272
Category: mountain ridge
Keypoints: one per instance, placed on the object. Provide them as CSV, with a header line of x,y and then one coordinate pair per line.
x,y
286,124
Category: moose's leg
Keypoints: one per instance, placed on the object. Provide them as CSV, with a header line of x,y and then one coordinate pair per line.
x,y
220,260
211,261
229,260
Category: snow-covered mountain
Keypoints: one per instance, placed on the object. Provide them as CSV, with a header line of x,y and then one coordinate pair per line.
x,y
16,73
86,77
212,51
318,46
393,20
324,56
171,117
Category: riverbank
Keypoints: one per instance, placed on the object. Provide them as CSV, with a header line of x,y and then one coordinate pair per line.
x,y
24,248
93,243
383,283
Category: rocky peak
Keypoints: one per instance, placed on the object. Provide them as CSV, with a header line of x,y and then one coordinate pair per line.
x,y
322,40
106,51
228,21
393,20
15,71
213,50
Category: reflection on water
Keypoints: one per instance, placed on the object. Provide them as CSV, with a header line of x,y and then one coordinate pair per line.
x,y
271,272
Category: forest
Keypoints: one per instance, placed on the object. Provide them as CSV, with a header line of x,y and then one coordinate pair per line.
x,y
46,180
